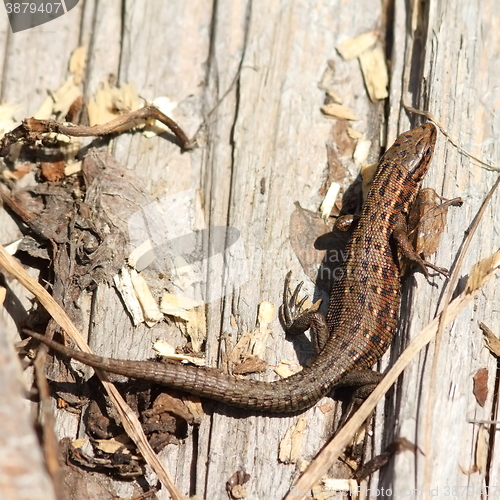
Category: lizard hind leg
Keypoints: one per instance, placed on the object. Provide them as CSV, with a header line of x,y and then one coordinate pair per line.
x,y
296,320
361,383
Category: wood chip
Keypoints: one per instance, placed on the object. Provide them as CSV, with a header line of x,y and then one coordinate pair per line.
x,y
59,102
482,449
349,49
367,174
176,305
374,69
123,284
150,309
163,348
72,168
7,112
154,127
334,96
285,370
361,152
291,444
265,314
354,134
110,446
339,111
77,64
329,200
109,102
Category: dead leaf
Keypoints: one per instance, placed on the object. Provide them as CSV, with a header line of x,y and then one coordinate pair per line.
x,y
492,341
480,388
427,220
251,364
481,271
52,171
305,228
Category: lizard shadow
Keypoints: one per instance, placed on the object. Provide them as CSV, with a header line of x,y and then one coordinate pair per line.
x,y
330,242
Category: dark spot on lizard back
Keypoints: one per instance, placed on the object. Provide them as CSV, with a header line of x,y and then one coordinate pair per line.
x,y
393,218
386,291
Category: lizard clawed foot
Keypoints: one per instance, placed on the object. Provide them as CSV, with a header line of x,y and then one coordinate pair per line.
x,y
440,270
292,308
423,265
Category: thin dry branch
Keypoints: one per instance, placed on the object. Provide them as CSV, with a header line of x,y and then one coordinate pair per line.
x,y
322,462
128,418
32,129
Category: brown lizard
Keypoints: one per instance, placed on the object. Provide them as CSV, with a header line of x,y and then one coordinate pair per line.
x,y
363,311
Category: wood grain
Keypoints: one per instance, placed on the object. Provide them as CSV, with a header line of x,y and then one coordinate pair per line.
x,y
265,147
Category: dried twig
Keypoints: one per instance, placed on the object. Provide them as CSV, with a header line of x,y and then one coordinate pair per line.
x,y
32,129
128,418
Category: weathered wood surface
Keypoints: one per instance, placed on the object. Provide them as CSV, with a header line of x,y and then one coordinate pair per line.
x,y
264,148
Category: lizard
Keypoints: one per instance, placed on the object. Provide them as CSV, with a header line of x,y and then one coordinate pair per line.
x,y
362,315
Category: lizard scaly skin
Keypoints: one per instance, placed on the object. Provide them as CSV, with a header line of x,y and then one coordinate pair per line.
x,y
364,305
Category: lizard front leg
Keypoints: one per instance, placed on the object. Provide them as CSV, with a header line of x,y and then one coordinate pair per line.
x,y
296,320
